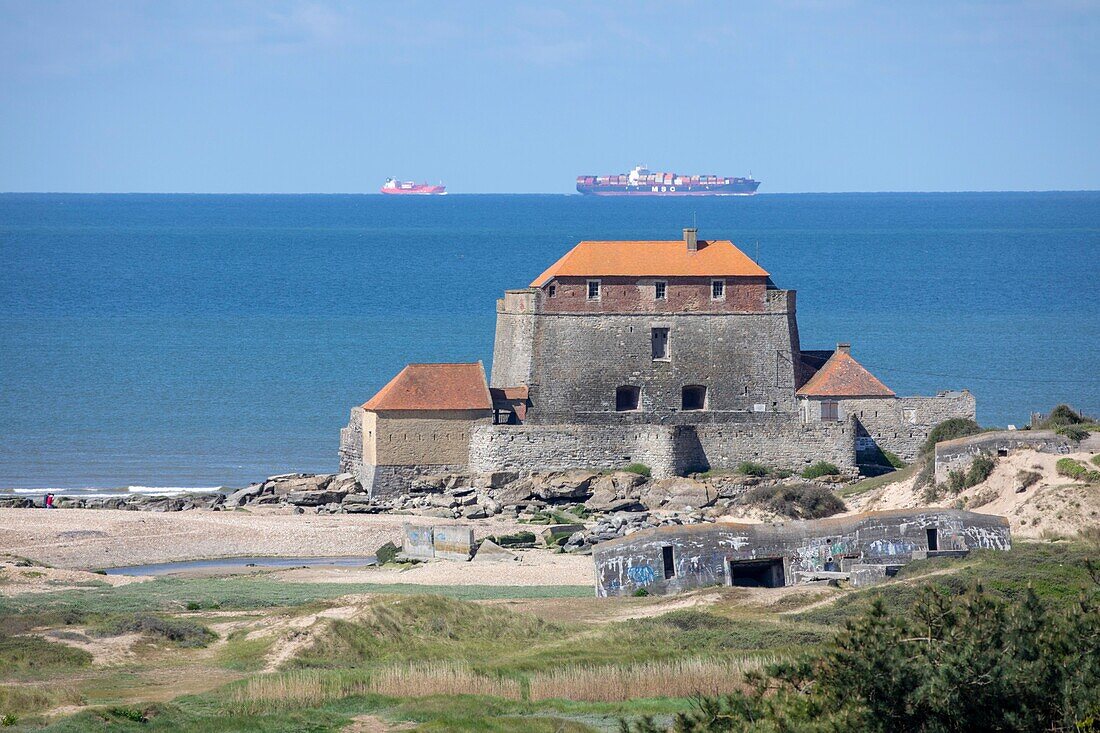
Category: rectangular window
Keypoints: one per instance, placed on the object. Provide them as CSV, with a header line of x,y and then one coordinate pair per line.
x,y
668,561
593,289
829,411
659,288
717,289
552,290
660,344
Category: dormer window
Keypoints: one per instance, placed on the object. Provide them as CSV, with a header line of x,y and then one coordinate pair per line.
x,y
659,289
717,289
593,289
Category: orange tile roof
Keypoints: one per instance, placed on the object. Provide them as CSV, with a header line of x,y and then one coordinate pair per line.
x,y
719,258
843,376
435,387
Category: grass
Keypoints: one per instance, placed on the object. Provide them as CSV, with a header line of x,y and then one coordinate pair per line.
x,y
877,482
24,657
180,632
798,502
819,469
249,592
1056,572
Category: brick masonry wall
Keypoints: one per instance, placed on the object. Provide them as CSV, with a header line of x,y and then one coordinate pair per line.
x,y
668,450
637,295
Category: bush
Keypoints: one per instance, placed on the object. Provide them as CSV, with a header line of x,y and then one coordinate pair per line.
x,y
1071,468
127,713
752,469
1095,460
639,468
8,720
1028,479
179,632
1073,432
956,427
942,664
980,470
819,469
1063,415
640,593
803,501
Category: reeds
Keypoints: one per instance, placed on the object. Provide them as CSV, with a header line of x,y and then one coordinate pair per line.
x,y
651,679
611,683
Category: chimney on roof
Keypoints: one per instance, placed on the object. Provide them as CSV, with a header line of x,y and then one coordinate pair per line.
x,y
844,348
691,238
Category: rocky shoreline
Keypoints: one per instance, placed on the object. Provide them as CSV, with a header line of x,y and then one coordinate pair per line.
x,y
578,508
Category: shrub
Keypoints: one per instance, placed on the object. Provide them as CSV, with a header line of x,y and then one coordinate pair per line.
x,y
1071,468
639,468
956,427
1063,415
8,720
803,501
640,592
1095,460
180,632
127,713
1028,479
1073,432
821,468
980,470
752,469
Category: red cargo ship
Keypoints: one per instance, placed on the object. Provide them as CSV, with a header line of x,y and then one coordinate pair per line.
x,y
643,182
392,185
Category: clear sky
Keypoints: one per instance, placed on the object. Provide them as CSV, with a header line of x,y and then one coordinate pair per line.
x,y
810,95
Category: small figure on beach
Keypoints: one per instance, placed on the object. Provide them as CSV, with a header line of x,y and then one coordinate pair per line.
x,y
49,501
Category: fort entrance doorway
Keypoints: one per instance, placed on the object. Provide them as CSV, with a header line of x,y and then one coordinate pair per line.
x,y
766,573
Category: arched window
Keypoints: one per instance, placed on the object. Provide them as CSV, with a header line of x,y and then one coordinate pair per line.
x,y
693,397
626,398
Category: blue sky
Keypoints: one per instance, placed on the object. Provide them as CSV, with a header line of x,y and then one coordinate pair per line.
x,y
811,95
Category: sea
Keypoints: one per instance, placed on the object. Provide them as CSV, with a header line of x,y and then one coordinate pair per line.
x,y
160,343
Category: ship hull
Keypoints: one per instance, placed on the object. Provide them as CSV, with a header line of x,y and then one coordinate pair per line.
x,y
416,191
737,188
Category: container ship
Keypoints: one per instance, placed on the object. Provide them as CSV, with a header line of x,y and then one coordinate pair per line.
x,y
643,182
392,185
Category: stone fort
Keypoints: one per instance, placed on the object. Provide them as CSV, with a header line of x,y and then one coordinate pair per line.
x,y
682,355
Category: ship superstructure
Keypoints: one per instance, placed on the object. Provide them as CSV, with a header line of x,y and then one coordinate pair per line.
x,y
394,186
643,182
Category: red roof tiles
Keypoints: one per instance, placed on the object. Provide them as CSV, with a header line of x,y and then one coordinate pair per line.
x,y
719,258
843,376
435,387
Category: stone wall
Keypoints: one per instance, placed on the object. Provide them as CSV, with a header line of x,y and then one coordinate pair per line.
x,y
351,444
701,555
958,454
902,425
513,348
775,440
384,481
578,360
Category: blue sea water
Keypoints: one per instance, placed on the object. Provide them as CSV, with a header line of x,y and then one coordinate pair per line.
x,y
205,340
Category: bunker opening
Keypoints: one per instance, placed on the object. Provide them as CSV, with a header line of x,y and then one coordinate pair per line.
x,y
757,573
933,540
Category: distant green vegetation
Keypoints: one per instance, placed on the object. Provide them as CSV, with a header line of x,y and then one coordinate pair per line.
x,y
819,469
639,468
800,501
956,427
752,469
981,468
249,592
1074,469
33,656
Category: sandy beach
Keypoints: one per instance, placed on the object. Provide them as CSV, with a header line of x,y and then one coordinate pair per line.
x,y
101,538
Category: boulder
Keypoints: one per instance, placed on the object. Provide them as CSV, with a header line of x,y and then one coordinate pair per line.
x,y
495,479
360,504
428,484
678,494
240,497
515,493
490,551
574,484
345,482
315,498
442,500
300,482
551,533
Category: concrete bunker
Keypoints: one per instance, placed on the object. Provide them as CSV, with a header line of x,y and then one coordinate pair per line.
x,y
863,548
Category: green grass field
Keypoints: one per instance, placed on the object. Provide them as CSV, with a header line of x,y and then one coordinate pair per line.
x,y
201,659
